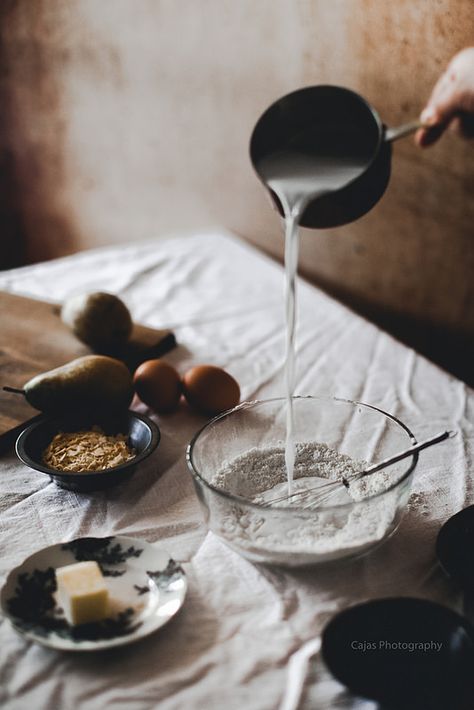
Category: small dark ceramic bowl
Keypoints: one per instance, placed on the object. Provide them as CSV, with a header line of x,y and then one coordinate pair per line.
x,y
143,436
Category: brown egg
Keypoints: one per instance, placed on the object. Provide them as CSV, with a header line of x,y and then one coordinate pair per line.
x,y
210,389
158,385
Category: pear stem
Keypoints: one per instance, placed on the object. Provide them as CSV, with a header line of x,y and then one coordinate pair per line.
x,y
15,390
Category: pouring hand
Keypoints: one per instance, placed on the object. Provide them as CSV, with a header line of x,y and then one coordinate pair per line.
x,y
451,103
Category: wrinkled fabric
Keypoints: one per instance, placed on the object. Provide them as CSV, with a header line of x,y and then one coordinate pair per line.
x,y
231,644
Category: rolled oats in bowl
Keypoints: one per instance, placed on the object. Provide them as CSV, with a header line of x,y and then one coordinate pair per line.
x,y
89,450
85,451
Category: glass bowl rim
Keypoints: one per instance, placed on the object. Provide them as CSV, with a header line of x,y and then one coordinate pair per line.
x,y
296,509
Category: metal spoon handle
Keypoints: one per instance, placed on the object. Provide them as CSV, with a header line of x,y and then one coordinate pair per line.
x,y
401,455
371,469
393,134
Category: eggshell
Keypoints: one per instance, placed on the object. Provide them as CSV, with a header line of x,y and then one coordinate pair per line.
x,y
210,389
158,385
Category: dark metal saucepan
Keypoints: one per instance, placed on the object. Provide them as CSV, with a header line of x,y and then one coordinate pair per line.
x,y
313,109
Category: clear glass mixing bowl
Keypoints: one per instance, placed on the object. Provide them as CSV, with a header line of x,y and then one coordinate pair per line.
x,y
293,535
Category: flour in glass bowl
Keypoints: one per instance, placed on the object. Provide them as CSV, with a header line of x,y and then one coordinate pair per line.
x,y
259,475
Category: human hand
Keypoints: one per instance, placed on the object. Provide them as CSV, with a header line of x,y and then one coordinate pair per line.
x,y
451,103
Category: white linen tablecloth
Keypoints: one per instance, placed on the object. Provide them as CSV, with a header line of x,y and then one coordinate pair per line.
x,y
230,645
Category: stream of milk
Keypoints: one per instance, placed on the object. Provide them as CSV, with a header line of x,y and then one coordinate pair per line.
x,y
297,179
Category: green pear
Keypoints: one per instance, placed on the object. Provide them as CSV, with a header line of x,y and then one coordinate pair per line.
x,y
92,382
101,320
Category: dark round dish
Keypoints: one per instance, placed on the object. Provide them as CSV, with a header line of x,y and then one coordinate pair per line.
x,y
404,653
143,435
454,547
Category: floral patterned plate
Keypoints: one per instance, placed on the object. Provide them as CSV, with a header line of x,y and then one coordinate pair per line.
x,y
146,589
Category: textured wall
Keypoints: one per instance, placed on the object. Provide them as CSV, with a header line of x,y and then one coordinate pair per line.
x,y
126,119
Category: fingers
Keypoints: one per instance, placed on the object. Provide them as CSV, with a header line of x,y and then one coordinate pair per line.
x,y
425,137
452,96
432,129
462,124
443,103
438,112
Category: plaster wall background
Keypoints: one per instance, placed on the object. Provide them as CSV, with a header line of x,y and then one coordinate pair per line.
x,y
130,119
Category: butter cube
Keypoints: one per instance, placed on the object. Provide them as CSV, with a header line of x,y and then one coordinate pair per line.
x,y
82,592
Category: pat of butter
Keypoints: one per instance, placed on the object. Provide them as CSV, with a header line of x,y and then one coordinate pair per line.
x,y
82,592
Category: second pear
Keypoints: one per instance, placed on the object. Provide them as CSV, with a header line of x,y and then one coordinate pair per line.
x,y
92,382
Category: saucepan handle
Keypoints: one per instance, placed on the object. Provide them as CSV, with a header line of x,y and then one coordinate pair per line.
x,y
393,134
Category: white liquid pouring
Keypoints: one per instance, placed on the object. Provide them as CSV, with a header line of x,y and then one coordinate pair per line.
x,y
297,179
